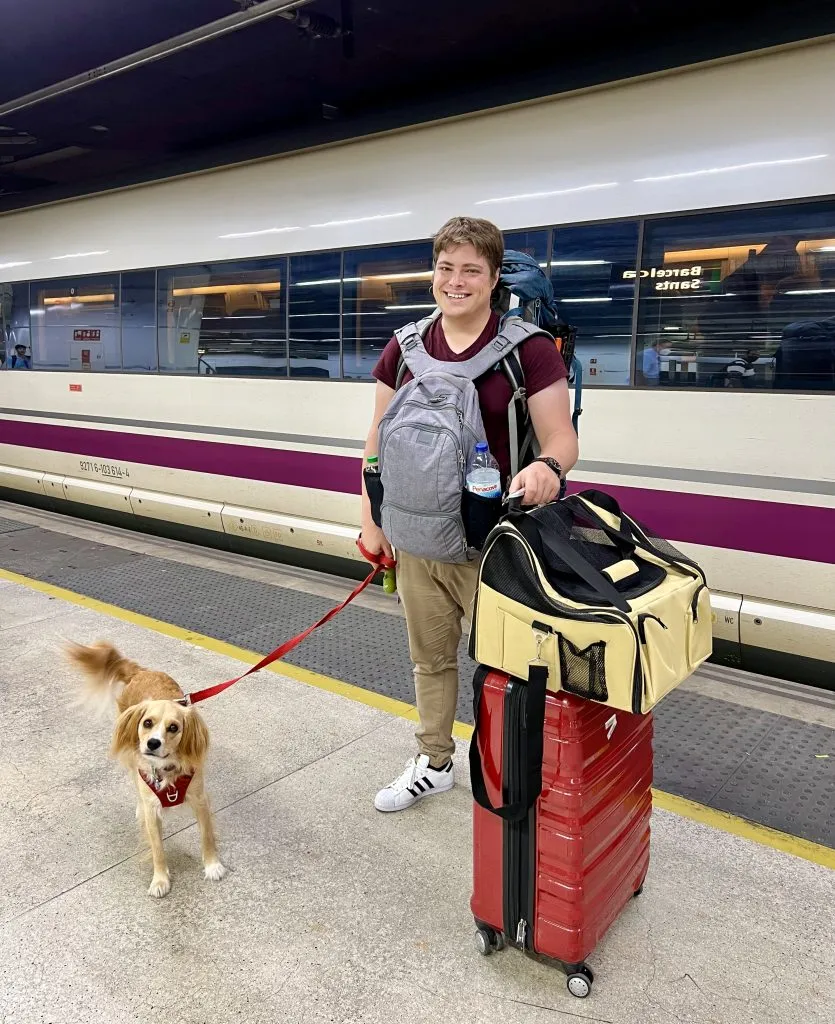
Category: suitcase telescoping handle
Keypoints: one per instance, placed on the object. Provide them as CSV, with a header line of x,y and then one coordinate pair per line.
x,y
530,745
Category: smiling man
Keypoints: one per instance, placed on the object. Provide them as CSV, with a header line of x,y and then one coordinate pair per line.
x,y
437,594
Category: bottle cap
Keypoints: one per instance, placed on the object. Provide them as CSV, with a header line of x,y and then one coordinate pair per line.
x,y
481,446
371,460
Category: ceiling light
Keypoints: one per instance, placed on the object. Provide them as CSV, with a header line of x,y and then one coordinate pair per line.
x,y
812,291
361,220
263,231
578,263
415,305
602,298
77,255
15,263
734,167
823,248
325,280
554,192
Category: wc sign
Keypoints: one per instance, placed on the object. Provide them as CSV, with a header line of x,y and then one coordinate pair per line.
x,y
670,279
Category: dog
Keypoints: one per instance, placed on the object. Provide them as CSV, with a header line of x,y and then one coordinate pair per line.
x,y
162,742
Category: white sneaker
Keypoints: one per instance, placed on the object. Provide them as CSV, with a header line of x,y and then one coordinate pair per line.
x,y
418,780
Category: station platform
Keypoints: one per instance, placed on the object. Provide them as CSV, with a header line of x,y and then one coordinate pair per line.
x,y
331,911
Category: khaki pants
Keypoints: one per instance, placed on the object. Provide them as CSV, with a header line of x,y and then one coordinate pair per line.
x,y
435,596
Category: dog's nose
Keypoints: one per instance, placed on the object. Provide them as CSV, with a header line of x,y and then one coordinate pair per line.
x,y
154,743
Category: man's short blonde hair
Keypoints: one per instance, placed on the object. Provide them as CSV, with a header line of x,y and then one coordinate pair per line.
x,y
482,235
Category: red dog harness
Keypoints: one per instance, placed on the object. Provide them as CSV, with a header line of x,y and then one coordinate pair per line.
x,y
171,795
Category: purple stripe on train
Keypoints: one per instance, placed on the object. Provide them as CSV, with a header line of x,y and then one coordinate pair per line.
x,y
767,527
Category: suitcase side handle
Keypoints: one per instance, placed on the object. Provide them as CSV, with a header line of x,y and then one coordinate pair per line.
x,y
532,745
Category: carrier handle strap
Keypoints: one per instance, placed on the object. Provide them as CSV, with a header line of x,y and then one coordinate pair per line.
x,y
583,505
531,746
564,550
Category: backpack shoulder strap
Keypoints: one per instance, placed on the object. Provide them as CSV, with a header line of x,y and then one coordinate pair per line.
x,y
413,354
512,333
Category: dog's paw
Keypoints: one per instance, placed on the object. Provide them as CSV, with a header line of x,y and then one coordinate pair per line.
x,y
214,872
160,886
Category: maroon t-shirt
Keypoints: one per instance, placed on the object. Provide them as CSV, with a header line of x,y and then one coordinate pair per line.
x,y
542,366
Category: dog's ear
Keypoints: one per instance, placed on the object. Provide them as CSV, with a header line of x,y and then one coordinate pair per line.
x,y
126,730
195,739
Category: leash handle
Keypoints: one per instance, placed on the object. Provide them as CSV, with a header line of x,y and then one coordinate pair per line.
x,y
379,563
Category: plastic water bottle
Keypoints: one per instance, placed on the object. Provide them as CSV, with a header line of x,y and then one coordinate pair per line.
x,y
483,476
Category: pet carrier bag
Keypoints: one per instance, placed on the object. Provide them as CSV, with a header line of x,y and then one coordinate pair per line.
x,y
616,614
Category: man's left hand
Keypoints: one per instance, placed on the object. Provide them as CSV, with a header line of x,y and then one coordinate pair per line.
x,y
540,482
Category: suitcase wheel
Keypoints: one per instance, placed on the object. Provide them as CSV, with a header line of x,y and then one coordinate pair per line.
x,y
579,982
639,890
487,940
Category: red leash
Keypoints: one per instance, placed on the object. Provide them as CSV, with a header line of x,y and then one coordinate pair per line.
x,y
379,562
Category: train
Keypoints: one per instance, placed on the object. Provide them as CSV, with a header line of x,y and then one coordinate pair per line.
x,y
195,355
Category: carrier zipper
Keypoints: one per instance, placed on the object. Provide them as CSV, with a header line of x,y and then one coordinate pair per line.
x,y
694,604
642,628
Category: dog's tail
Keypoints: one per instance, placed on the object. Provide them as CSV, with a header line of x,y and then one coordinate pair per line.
x,y
105,669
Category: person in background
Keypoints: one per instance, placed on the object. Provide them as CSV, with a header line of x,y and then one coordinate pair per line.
x,y
740,372
436,595
18,360
651,364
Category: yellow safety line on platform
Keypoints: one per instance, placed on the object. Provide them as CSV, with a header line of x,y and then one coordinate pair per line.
x,y
721,820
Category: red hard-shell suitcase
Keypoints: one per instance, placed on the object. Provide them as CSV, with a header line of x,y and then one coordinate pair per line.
x,y
565,844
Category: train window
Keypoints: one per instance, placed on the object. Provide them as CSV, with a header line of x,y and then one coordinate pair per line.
x,y
75,323
534,243
589,271
383,289
15,343
739,299
314,303
139,323
225,319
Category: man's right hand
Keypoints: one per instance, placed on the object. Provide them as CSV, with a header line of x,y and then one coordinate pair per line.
x,y
374,541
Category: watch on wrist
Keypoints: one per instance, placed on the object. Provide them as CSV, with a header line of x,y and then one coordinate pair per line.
x,y
551,464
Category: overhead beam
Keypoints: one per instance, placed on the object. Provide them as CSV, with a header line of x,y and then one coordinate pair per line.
x,y
159,51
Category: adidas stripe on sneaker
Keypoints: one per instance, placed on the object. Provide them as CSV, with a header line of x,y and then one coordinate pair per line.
x,y
419,779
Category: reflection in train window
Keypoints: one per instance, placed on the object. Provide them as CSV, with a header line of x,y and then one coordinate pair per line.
x,y
589,271
139,321
314,315
383,289
739,299
15,342
75,323
224,319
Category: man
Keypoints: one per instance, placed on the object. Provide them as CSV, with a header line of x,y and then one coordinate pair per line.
x,y
18,360
651,364
467,257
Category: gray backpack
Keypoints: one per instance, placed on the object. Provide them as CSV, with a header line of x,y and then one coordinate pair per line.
x,y
425,438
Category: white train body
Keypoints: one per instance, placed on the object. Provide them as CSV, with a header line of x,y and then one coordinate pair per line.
x,y
278,460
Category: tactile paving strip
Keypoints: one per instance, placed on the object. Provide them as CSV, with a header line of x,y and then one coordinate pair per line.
x,y
10,526
755,764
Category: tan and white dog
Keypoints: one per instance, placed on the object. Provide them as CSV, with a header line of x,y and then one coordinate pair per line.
x,y
161,741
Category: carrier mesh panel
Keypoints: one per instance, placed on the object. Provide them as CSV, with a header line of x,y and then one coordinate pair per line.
x,y
584,672
508,571
662,544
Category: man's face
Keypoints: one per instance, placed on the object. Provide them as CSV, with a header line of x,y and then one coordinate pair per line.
x,y
462,282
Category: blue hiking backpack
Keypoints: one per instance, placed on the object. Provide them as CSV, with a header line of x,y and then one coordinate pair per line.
x,y
524,290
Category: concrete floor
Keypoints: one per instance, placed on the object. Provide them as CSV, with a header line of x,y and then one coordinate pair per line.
x,y
331,911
